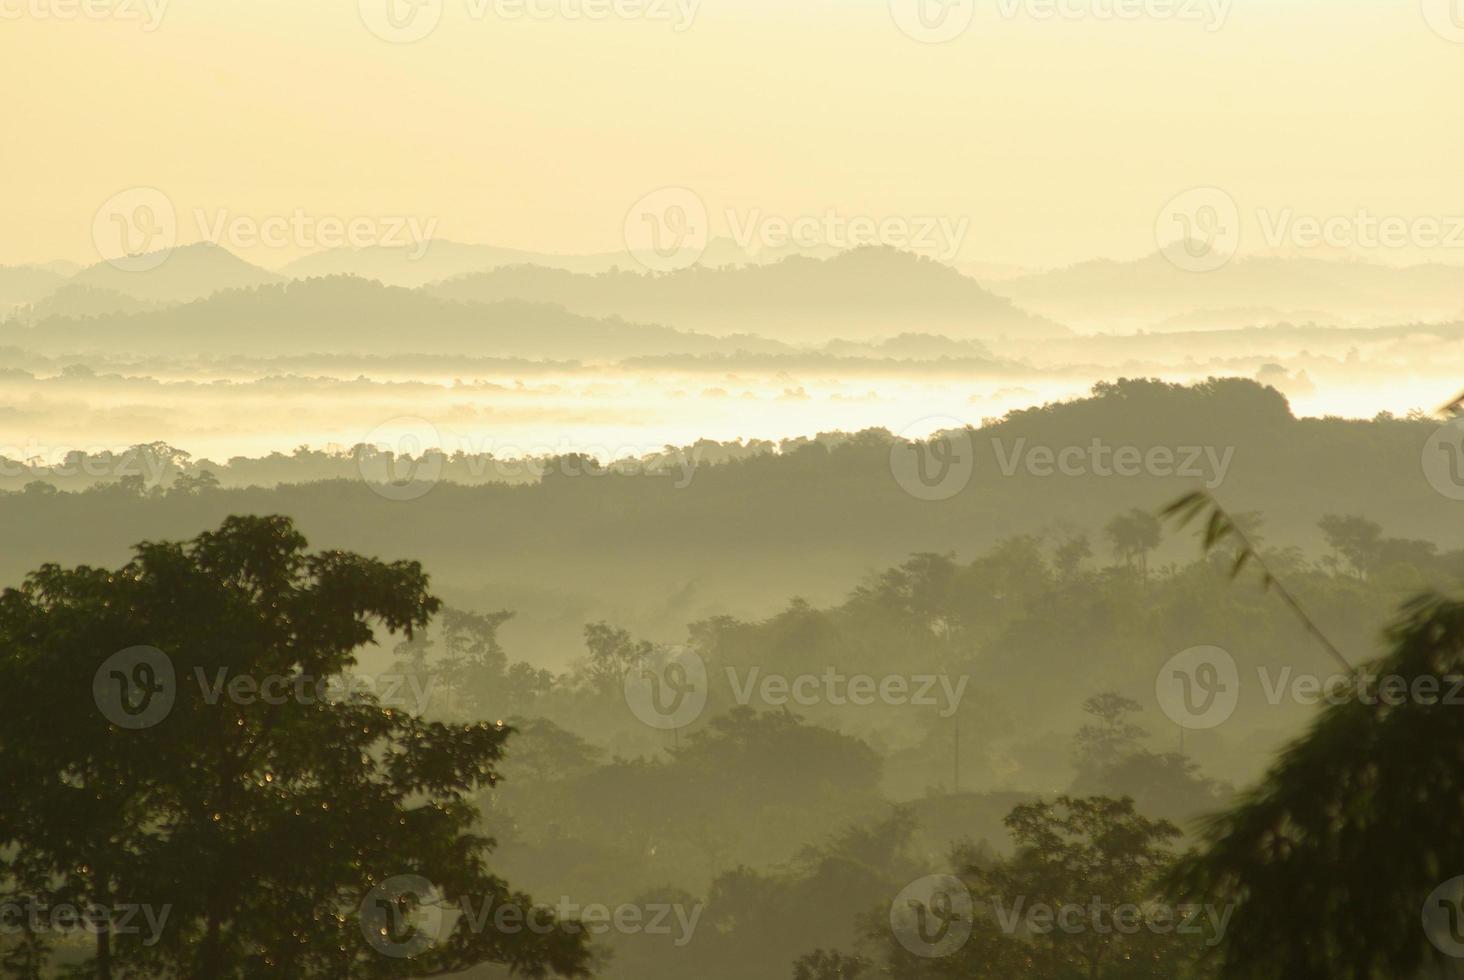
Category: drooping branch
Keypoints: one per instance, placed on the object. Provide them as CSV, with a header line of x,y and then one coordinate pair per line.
x,y
1219,527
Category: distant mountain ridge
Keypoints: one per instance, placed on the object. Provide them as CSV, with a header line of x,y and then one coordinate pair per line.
x,y
181,275
346,314
20,284
74,300
860,294
433,261
1155,288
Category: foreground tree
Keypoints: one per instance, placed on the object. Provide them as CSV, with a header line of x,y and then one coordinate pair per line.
x,y
1110,737
1134,535
169,741
1345,862
1336,861
1077,900
1095,854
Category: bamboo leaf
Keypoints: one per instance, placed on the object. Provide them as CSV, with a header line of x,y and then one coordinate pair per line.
x,y
1186,507
1217,529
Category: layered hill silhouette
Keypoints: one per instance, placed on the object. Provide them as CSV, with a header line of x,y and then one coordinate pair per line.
x,y
439,259
177,275
806,519
864,293
75,300
20,284
413,266
345,314
858,295
181,274
1268,288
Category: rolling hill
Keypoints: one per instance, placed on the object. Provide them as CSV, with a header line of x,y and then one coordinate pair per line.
x,y
344,314
1153,288
411,267
186,273
861,294
21,284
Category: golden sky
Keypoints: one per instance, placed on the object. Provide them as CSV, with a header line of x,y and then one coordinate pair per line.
x,y
1057,138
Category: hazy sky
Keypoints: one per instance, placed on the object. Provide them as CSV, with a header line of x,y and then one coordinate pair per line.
x,y
1057,138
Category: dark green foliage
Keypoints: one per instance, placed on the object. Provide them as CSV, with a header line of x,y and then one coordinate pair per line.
x,y
260,824
1330,859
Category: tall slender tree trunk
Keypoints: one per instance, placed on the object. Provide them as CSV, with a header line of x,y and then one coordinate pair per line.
x,y
103,895
104,950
